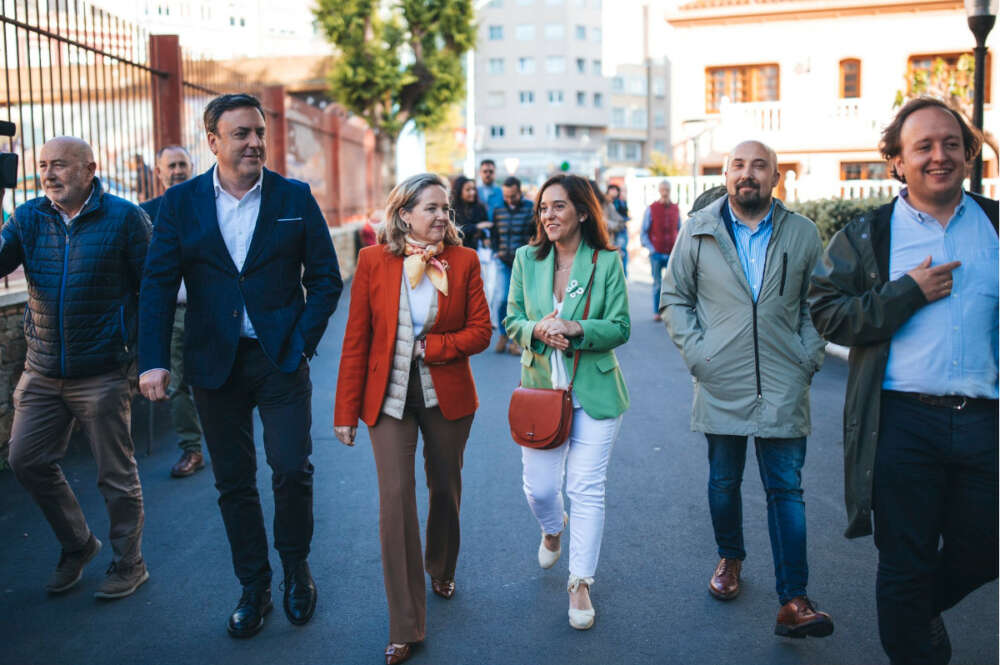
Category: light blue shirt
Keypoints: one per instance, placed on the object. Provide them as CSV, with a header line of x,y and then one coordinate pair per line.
x,y
751,246
237,221
490,196
948,347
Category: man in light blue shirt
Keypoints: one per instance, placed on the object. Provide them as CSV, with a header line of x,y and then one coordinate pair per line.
x,y
912,288
490,194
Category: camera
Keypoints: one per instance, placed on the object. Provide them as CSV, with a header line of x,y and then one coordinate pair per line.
x,y
8,160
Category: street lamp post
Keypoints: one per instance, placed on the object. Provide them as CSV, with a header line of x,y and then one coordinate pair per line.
x,y
982,15
693,128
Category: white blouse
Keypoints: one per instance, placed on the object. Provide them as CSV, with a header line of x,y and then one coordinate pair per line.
x,y
420,302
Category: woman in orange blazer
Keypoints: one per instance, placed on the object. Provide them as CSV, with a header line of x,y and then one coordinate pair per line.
x,y
417,313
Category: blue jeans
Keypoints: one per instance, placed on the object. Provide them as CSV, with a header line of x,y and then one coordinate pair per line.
x,y
622,241
658,262
935,481
501,289
780,462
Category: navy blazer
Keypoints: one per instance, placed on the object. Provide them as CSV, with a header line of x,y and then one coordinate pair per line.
x,y
290,250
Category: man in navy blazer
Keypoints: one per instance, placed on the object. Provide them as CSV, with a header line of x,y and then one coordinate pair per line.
x,y
262,280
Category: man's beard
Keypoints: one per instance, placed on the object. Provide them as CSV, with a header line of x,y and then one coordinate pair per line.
x,y
751,202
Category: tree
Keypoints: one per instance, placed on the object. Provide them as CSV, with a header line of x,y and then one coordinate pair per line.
x,y
952,83
661,165
397,61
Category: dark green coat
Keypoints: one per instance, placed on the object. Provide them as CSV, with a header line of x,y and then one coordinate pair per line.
x,y
853,304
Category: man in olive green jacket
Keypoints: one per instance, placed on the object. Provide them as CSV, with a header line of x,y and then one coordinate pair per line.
x,y
734,302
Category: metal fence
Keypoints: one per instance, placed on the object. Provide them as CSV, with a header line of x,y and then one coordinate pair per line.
x,y
202,80
74,69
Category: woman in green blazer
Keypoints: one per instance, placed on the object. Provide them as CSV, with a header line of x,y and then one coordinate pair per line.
x,y
548,292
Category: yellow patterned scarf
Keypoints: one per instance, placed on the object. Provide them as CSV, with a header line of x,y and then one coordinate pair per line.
x,y
420,259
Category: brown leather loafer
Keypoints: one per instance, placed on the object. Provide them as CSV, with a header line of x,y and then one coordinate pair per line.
x,y
514,349
501,344
397,654
189,463
799,618
725,582
443,588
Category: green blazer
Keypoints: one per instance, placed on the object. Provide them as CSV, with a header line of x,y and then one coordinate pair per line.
x,y
599,385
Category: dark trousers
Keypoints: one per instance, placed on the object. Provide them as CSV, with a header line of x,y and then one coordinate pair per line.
x,y
284,403
44,410
780,462
934,494
394,443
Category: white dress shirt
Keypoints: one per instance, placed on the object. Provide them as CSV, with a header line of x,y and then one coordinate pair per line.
x,y
62,213
237,221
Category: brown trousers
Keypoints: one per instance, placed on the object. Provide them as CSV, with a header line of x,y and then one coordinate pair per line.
x,y
394,442
44,409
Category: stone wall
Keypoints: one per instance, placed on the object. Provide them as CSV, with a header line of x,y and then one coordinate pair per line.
x,y
12,351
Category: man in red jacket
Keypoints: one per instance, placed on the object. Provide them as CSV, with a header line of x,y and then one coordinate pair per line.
x,y
660,225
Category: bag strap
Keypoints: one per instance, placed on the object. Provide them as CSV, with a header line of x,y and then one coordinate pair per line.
x,y
586,312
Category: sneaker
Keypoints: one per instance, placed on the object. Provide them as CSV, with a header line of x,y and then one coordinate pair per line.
x,y
71,564
122,580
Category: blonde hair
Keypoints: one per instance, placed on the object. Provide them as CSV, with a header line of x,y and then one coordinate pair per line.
x,y
404,197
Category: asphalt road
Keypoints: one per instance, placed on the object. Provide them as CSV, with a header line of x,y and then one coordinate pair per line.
x,y
650,594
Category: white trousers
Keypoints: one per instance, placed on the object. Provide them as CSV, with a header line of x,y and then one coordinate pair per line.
x,y
583,462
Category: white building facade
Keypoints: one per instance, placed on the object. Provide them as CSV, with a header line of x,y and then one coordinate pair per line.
x,y
541,100
814,79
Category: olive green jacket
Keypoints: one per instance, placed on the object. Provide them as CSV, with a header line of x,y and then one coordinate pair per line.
x,y
854,303
599,385
752,363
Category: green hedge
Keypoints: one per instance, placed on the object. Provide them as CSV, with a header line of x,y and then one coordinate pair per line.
x,y
831,215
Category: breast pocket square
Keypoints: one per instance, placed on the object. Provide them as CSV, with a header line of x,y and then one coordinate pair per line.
x,y
290,219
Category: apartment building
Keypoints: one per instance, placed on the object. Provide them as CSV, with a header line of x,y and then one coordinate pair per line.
x,y
815,79
542,101
640,114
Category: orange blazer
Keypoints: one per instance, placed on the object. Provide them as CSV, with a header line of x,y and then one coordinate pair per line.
x,y
462,329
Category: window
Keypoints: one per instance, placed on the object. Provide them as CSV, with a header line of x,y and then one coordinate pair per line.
x,y
637,85
496,99
496,66
555,96
243,21
495,4
618,84
496,131
581,98
555,64
617,116
555,31
850,78
961,65
496,32
526,97
659,119
569,131
525,65
581,32
743,83
524,32
614,150
596,66
660,146
863,171
659,87
633,151
595,34
638,119
581,65
598,100
527,130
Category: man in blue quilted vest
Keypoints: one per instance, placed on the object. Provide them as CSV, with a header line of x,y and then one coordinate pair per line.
x,y
82,250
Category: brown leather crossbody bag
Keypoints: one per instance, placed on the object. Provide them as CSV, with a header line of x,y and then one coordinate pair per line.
x,y
542,418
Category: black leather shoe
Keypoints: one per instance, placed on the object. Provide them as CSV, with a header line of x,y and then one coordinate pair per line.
x,y
300,593
248,617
